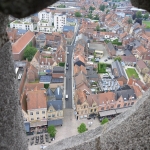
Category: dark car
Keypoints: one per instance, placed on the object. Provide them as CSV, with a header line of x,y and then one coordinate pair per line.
x,y
66,68
67,64
105,60
88,118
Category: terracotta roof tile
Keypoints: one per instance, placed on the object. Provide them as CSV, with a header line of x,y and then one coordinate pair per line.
x,y
31,86
141,64
36,99
21,43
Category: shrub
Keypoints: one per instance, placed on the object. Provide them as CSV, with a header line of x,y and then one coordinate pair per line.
x,y
46,86
105,120
82,128
62,64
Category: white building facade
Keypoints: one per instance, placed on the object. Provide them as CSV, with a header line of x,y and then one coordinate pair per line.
x,y
59,21
18,24
45,15
45,27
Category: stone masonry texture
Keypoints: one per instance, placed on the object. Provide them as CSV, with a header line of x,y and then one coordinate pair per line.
x,y
128,131
12,133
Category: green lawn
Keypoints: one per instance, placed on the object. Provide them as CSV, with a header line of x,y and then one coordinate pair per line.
x,y
147,23
131,72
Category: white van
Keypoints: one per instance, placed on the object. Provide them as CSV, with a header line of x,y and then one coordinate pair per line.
x,y
19,76
66,97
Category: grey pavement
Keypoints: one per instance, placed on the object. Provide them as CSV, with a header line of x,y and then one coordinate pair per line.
x,y
69,76
69,127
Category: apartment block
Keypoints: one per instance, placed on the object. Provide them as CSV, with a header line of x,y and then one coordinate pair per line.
x,y
59,21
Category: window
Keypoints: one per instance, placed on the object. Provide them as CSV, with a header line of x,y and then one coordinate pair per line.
x,y
31,113
53,115
91,110
118,105
37,112
132,103
125,104
128,104
32,118
102,108
38,118
107,107
43,112
95,110
44,117
49,116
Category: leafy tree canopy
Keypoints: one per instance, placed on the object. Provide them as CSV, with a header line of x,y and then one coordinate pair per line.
x,y
96,17
134,16
82,128
78,14
138,14
102,7
105,120
117,58
29,52
129,21
107,11
52,131
97,28
146,16
90,15
91,8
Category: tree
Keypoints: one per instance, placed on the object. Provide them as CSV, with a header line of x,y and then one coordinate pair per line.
x,y
82,128
29,52
52,131
117,58
105,120
91,8
90,15
134,16
114,6
97,28
61,6
107,11
146,16
77,14
138,14
129,21
96,17
102,7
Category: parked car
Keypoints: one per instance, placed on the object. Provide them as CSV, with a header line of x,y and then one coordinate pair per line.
x,y
67,64
105,60
88,118
66,68
67,53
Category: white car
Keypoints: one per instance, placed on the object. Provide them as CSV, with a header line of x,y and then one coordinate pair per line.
x,y
67,53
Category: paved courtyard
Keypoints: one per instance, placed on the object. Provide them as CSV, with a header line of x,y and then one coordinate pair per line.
x,y
69,127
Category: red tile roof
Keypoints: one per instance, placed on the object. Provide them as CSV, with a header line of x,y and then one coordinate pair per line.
x,y
36,99
21,43
141,64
